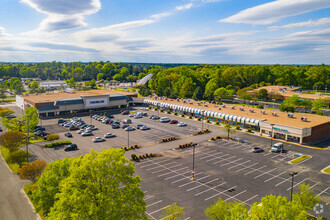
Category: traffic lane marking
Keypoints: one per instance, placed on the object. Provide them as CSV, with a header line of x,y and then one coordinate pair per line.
x,y
215,158
177,175
186,177
249,199
154,203
177,165
151,162
159,166
323,191
202,185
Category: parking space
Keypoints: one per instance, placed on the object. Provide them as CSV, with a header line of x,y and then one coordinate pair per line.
x,y
221,170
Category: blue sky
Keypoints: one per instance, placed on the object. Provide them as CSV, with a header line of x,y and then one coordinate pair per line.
x,y
171,31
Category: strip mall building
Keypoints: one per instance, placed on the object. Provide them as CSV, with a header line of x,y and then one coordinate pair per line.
x,y
297,127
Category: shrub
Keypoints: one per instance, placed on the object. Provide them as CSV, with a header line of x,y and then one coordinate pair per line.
x,y
136,146
218,137
149,107
59,143
238,128
175,113
180,146
217,123
156,109
161,110
182,115
207,130
190,116
125,148
17,157
319,112
261,106
199,118
147,155
212,139
208,121
133,156
33,170
53,137
249,130
141,157
168,111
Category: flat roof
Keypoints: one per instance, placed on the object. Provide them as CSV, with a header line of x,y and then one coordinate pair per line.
x,y
52,97
281,118
290,92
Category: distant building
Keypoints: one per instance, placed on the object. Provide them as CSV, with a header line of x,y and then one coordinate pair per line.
x,y
53,85
30,79
144,80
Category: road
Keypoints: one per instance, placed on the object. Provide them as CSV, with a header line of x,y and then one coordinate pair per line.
x,y
13,203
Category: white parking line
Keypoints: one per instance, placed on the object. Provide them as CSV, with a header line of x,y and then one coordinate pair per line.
x,y
267,154
203,153
211,155
215,158
210,189
186,177
177,175
202,185
176,165
172,171
150,216
278,155
274,177
236,195
234,161
152,162
265,173
314,185
323,191
158,210
159,166
255,170
250,198
240,164
247,167
149,197
195,181
219,193
297,184
224,159
154,203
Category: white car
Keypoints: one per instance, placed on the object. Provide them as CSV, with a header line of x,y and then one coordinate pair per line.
x,y
182,124
144,128
98,139
132,115
144,108
109,135
87,133
81,131
165,120
129,129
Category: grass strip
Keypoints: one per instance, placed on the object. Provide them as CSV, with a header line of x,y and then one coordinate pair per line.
x,y
299,159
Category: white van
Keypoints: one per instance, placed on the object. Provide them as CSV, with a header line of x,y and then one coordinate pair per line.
x,y
164,120
278,147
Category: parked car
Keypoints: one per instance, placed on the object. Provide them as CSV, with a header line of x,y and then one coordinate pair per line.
x,y
127,121
182,124
124,126
115,126
98,139
87,133
173,121
81,131
278,147
39,129
138,116
129,129
109,135
11,116
68,134
139,126
83,126
151,116
132,115
73,128
125,112
155,117
71,147
144,108
0,129
110,116
59,121
164,120
144,128
257,150
40,132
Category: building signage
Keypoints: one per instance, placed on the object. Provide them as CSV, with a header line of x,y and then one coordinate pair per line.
x,y
280,129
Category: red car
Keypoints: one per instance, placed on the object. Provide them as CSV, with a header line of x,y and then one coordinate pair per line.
x,y
173,121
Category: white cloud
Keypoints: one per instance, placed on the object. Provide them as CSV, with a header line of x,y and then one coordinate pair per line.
x,y
63,14
274,11
161,15
309,23
184,7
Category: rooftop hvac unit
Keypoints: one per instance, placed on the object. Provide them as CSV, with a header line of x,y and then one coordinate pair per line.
x,y
263,112
215,106
165,98
290,115
206,105
219,108
191,103
198,103
223,106
178,100
232,107
274,114
303,118
184,101
242,109
251,110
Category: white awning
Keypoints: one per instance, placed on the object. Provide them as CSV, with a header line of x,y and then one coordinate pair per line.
x,y
257,122
227,116
231,117
238,119
234,118
243,120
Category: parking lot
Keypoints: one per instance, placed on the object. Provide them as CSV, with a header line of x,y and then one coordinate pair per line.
x,y
222,169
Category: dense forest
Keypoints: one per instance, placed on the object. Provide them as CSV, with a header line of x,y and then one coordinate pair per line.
x,y
185,81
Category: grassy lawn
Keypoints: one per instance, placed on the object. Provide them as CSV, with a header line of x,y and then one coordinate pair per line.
x,y
299,159
28,190
14,167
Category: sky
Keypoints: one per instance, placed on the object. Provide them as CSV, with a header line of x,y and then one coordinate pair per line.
x,y
166,31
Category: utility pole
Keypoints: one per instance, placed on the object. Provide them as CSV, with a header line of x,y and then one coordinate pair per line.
x,y
193,169
271,137
127,138
292,175
27,143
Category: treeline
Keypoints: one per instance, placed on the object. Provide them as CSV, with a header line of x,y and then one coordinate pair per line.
x,y
202,81
77,70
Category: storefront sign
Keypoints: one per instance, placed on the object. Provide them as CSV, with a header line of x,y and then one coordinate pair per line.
x,y
280,129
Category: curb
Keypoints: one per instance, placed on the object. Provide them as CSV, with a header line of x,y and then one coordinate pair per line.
x,y
323,170
304,160
30,203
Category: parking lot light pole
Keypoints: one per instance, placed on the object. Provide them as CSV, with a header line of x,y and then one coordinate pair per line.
x,y
292,175
158,108
271,137
127,138
27,142
193,168
202,119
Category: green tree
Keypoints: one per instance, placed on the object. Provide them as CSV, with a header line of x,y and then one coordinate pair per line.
x,y
18,156
319,104
92,84
210,88
3,91
305,197
198,94
262,94
71,83
100,186
34,85
187,89
11,140
228,128
16,85
221,93
99,76
224,210
118,77
30,115
173,212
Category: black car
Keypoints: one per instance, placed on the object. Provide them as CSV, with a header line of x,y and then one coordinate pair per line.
x,y
0,129
71,147
68,134
126,112
59,121
115,126
40,133
110,116
125,126
39,129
